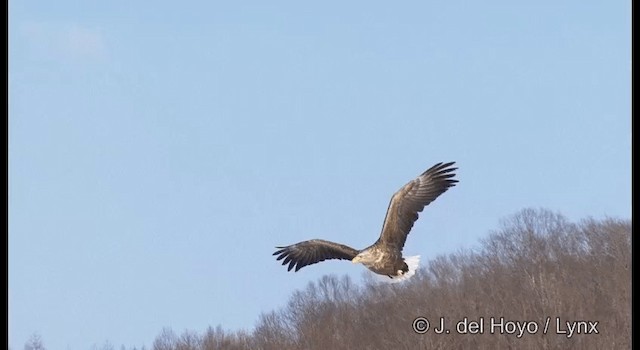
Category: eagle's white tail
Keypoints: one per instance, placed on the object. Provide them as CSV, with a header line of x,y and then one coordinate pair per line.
x,y
412,262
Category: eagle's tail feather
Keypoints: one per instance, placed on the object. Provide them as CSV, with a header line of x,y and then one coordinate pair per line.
x,y
412,263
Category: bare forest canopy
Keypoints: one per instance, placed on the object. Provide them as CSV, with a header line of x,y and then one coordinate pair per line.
x,y
537,282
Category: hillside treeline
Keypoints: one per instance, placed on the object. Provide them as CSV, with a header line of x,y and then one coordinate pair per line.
x,y
536,271
537,282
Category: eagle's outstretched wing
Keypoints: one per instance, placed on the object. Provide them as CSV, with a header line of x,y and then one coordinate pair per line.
x,y
313,251
411,199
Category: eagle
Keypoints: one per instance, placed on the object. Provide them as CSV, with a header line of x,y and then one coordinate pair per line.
x,y
384,257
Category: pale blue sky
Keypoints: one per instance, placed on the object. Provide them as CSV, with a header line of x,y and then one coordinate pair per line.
x,y
159,151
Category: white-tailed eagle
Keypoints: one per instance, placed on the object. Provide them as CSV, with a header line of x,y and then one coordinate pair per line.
x,y
384,257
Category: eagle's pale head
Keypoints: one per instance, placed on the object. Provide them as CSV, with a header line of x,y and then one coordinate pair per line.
x,y
365,257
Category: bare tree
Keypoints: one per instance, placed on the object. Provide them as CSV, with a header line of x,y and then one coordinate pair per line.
x,y
34,343
166,340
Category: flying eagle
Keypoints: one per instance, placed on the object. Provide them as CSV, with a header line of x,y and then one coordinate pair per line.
x,y
384,257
